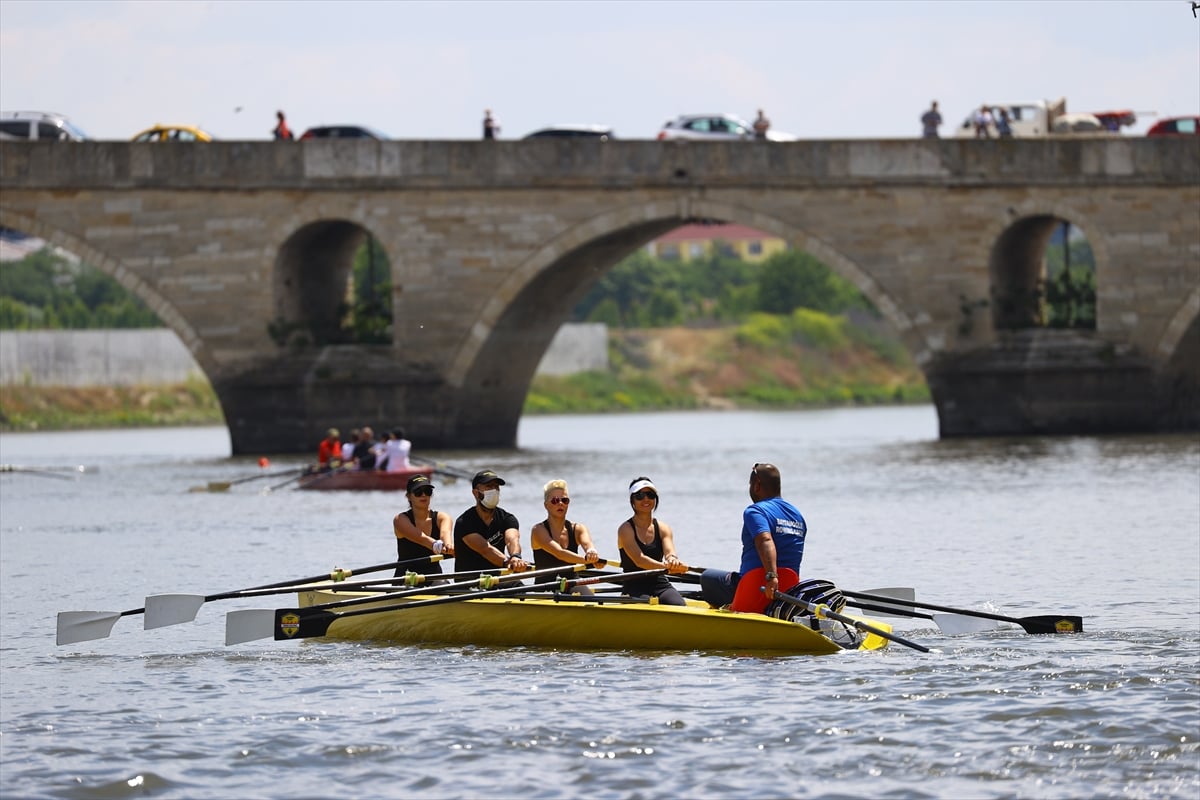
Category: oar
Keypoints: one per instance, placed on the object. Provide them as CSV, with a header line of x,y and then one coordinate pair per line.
x,y
904,594
22,468
1047,623
441,468
297,477
173,609
952,624
45,473
823,611
224,486
302,623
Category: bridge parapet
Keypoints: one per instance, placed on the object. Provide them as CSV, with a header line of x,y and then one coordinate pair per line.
x,y
548,163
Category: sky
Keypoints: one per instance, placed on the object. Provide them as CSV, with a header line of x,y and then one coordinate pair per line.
x,y
427,70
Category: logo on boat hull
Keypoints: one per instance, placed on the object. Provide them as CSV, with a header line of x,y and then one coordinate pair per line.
x,y
289,624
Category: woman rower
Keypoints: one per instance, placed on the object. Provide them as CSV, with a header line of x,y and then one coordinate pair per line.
x,y
556,540
420,531
648,543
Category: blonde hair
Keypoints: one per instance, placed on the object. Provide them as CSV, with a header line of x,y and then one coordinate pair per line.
x,y
557,483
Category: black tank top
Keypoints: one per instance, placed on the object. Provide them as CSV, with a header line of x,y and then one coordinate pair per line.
x,y
544,559
407,549
654,550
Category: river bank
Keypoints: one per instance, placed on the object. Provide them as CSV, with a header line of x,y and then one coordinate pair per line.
x,y
756,365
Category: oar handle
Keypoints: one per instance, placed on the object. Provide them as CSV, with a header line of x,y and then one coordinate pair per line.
x,y
336,574
482,582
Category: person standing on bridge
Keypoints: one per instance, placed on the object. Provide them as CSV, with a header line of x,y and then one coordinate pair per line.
x,y
491,128
282,132
761,125
983,122
931,120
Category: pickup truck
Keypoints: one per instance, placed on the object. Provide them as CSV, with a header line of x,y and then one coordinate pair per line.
x,y
1049,118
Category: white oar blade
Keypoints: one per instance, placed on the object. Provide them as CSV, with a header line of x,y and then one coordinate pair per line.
x,y
954,624
248,625
171,609
905,594
84,626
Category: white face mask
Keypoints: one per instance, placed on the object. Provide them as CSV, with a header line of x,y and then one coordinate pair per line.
x,y
491,498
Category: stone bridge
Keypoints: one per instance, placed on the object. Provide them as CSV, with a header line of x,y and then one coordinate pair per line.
x,y
491,244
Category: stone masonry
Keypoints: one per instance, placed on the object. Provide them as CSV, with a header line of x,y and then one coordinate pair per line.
x,y
492,243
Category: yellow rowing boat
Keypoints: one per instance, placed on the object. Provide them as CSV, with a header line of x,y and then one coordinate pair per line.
x,y
573,624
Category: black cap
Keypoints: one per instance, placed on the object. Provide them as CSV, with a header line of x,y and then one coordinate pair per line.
x,y
418,480
486,476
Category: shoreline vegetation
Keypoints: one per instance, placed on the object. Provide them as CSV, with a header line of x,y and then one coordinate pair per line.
x,y
804,360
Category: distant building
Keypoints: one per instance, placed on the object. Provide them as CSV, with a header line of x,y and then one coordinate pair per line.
x,y
697,241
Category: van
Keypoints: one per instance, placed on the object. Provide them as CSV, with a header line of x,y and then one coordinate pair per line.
x,y
38,126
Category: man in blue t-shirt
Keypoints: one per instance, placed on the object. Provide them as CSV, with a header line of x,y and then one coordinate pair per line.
x,y
773,532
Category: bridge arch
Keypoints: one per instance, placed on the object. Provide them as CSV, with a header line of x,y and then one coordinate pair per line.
x,y
310,277
621,231
113,267
1017,255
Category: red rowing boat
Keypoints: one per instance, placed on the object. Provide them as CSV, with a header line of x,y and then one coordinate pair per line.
x,y
362,480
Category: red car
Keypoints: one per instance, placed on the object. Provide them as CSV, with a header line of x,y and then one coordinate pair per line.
x,y
1175,126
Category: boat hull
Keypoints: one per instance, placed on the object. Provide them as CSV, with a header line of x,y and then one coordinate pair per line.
x,y
365,480
579,625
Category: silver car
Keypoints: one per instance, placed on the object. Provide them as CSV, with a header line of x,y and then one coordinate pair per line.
x,y
38,126
715,127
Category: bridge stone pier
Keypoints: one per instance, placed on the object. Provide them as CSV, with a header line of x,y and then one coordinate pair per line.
x,y
491,244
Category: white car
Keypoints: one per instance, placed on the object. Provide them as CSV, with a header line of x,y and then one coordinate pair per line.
x,y
38,125
715,127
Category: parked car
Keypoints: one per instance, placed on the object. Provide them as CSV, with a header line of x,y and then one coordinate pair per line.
x,y
574,131
1175,126
342,132
39,126
715,127
173,133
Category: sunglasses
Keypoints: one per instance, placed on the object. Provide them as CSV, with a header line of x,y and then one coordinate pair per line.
x,y
645,494
423,491
560,501
754,471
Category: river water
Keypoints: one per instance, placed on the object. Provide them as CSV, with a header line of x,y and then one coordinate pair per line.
x,y
1107,528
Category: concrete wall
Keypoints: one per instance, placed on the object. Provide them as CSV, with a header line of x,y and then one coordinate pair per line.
x,y
127,358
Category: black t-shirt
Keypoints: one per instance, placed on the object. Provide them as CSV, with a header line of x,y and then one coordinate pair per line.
x,y
466,559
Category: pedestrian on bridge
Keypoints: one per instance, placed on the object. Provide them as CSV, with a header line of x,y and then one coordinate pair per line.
x,y
282,132
491,128
931,120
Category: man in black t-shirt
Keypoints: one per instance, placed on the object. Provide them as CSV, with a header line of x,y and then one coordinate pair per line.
x,y
485,535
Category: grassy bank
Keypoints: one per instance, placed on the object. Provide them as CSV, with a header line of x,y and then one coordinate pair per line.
x,y
807,359
32,408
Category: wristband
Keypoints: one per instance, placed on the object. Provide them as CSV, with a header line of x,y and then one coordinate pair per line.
x,y
771,576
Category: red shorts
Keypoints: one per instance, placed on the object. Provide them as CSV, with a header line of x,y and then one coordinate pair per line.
x,y
749,597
